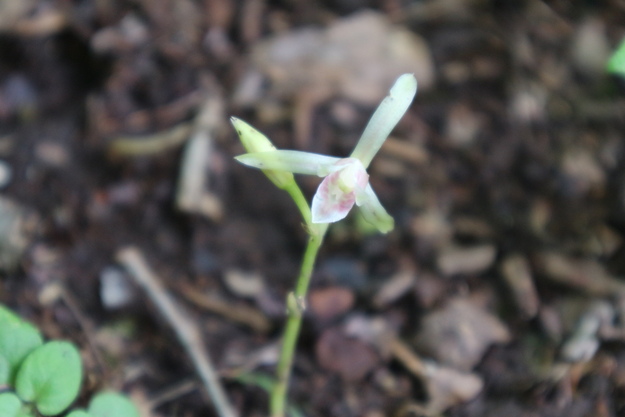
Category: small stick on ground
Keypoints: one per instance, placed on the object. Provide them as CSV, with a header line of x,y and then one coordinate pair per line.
x,y
251,317
86,325
172,393
56,291
187,332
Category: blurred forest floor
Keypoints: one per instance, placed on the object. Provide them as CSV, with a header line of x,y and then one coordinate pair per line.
x,y
501,291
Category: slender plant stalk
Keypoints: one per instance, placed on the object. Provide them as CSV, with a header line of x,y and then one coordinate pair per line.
x,y
296,305
300,201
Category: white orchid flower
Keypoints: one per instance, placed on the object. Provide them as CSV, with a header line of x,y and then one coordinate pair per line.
x,y
346,180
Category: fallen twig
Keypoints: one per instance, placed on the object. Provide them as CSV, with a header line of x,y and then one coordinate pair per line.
x,y
238,313
56,291
445,386
142,145
172,393
192,194
188,334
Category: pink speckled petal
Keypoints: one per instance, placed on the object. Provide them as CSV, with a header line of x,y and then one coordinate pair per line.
x,y
330,204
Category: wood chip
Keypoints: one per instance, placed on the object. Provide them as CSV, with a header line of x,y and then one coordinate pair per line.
x,y
586,275
192,194
446,387
454,260
16,228
449,387
516,272
237,312
405,151
394,288
147,145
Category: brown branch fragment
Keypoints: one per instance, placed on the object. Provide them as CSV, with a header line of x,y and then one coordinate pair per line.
x,y
187,332
242,314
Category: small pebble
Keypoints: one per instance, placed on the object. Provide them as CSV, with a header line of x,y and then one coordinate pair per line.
x,y
115,289
463,125
330,302
244,284
52,153
584,342
582,172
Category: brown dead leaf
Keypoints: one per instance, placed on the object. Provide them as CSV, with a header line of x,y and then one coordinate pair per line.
x,y
349,357
583,274
357,57
459,333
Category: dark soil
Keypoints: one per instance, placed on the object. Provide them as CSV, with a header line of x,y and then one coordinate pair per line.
x,y
505,179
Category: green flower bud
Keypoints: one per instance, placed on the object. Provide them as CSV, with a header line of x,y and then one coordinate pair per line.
x,y
253,141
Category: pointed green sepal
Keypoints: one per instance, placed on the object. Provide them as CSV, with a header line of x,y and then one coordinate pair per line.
x,y
297,162
386,116
253,141
373,211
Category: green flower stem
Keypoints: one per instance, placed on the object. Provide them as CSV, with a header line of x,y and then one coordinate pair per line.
x,y
295,309
298,197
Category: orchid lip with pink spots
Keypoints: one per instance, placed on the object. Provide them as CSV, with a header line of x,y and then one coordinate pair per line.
x,y
346,181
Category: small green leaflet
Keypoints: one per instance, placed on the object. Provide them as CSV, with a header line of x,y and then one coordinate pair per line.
x,y
616,64
17,339
110,404
79,413
11,406
50,377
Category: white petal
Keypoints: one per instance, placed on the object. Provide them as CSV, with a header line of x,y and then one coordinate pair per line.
x,y
330,204
293,161
373,212
388,113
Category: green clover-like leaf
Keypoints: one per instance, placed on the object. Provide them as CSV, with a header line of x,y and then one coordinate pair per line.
x,y
616,64
79,413
6,315
50,377
5,369
12,406
111,404
17,339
